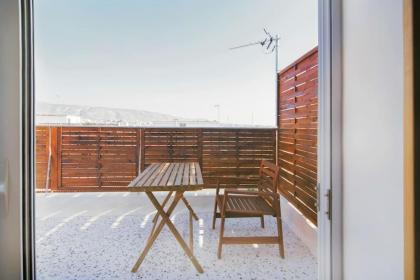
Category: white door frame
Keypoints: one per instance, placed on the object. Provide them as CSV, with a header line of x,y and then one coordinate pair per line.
x,y
329,141
329,135
27,139
16,154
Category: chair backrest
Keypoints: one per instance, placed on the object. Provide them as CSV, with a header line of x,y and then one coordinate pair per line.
x,y
269,174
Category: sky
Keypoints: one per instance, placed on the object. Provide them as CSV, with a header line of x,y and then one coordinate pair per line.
x,y
169,56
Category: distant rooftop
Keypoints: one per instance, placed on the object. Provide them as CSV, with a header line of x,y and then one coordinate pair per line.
x,y
62,114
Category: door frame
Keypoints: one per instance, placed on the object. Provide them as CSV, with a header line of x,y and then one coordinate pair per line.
x,y
329,137
330,227
27,139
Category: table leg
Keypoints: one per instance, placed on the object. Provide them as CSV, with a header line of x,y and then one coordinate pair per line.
x,y
191,215
155,233
155,218
190,218
172,228
151,232
189,208
191,233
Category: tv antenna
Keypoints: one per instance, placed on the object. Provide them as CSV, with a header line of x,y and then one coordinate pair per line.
x,y
269,44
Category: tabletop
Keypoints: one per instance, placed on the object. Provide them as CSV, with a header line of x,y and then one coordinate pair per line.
x,y
169,176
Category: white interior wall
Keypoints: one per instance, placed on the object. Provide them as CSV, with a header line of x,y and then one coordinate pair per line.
x,y
373,139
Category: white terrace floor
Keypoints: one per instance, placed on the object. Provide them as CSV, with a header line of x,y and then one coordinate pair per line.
x,y
99,236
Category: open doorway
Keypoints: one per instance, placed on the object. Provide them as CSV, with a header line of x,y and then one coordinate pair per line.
x,y
127,85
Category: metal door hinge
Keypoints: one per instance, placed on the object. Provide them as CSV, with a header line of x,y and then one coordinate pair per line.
x,y
318,201
329,211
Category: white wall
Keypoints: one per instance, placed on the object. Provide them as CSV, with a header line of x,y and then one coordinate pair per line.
x,y
300,225
373,139
9,137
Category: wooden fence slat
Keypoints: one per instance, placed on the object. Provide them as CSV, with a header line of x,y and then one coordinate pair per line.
x,y
58,156
84,158
297,132
41,155
54,160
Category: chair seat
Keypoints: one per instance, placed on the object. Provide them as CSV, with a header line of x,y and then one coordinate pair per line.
x,y
245,204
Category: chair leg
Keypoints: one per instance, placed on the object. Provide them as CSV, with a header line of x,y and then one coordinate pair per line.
x,y
214,213
262,221
280,236
222,229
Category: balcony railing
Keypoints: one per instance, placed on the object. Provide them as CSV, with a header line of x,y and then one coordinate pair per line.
x,y
108,158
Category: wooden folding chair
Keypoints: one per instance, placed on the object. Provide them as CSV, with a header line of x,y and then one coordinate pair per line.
x,y
236,203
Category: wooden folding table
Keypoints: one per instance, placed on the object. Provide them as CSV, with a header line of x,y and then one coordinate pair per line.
x,y
169,177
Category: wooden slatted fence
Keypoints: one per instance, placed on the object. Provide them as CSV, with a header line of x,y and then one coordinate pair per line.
x,y
98,156
230,155
42,153
107,159
297,132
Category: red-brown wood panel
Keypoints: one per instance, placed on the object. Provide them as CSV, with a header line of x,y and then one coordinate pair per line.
x,y
107,159
41,155
297,134
98,157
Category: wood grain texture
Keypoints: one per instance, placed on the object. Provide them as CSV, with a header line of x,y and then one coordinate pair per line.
x,y
297,132
42,145
108,159
410,270
156,178
235,203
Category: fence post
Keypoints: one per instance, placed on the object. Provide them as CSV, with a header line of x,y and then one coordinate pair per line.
x,y
142,156
237,148
55,162
274,145
295,100
98,157
200,148
48,149
138,151
59,147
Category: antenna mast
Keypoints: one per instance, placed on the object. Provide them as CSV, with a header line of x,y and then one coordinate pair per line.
x,y
268,46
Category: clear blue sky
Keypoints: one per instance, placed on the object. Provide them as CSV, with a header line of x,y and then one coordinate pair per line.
x,y
168,56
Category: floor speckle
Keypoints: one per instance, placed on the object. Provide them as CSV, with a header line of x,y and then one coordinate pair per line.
x,y
68,249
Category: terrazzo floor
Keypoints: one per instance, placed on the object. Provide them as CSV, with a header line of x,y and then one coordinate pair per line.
x,y
99,236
